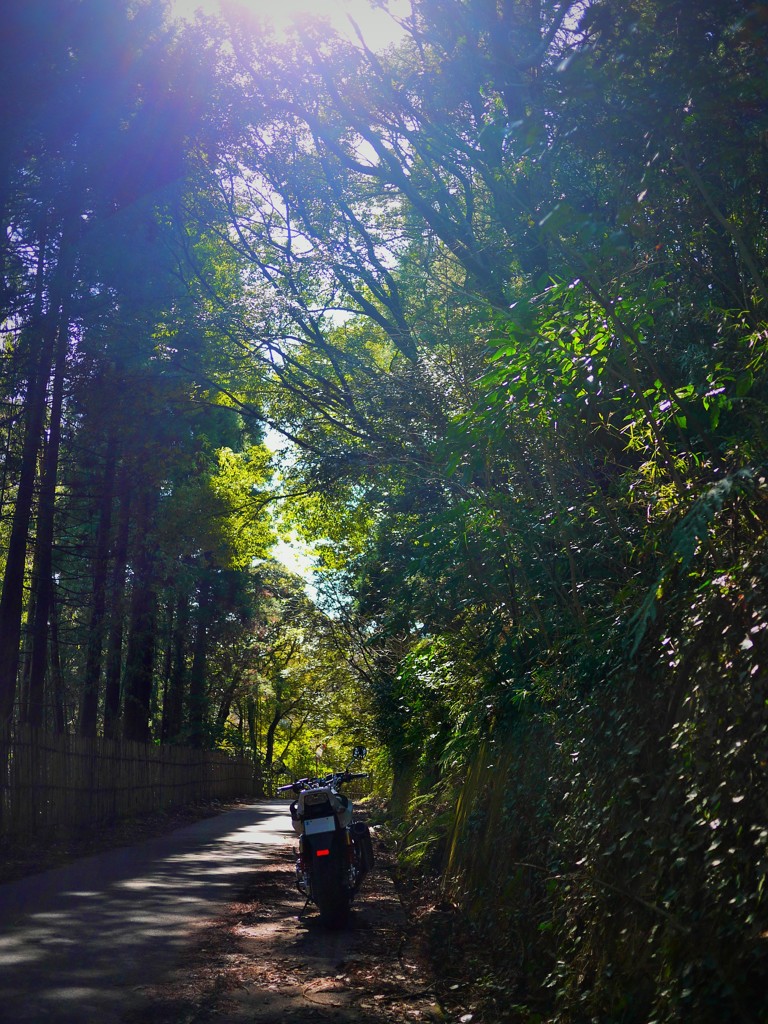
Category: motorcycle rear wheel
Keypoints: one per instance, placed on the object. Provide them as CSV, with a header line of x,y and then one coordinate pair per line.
x,y
329,892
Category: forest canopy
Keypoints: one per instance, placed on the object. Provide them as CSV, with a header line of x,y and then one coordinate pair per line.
x,y
501,289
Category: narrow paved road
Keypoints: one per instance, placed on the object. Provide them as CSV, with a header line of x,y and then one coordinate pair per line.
x,y
79,943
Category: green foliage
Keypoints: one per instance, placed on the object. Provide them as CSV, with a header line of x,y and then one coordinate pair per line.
x,y
688,537
530,443
502,291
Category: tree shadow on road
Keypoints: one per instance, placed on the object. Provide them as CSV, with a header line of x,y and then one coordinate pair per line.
x,y
264,963
80,942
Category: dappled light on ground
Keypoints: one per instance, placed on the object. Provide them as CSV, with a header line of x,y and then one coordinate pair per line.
x,y
80,940
267,962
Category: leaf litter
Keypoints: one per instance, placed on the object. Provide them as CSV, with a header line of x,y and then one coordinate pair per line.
x,y
265,962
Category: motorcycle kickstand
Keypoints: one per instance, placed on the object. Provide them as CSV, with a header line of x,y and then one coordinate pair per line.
x,y
301,912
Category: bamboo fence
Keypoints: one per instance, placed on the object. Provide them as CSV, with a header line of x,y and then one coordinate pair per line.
x,y
53,783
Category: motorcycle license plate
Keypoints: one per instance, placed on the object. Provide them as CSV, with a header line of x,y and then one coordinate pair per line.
x,y
313,825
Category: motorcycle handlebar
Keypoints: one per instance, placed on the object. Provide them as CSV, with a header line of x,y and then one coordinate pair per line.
x,y
297,785
300,784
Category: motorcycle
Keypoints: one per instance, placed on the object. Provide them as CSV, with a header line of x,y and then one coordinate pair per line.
x,y
335,852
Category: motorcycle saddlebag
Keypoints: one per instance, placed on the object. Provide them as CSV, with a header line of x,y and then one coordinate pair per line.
x,y
361,836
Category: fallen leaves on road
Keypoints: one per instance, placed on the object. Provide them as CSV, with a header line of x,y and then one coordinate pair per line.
x,y
267,963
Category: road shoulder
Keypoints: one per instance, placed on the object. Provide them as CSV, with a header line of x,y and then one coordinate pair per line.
x,y
263,963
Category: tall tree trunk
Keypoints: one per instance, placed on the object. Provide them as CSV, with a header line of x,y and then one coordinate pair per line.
x,y
198,710
253,739
269,742
140,655
38,665
12,374
170,635
57,676
173,710
11,600
114,659
26,660
226,703
139,663
89,705
241,724
252,714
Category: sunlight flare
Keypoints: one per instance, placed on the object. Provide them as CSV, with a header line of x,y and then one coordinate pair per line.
x,y
378,27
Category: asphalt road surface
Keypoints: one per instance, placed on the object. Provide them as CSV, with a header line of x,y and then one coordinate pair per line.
x,y
78,944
